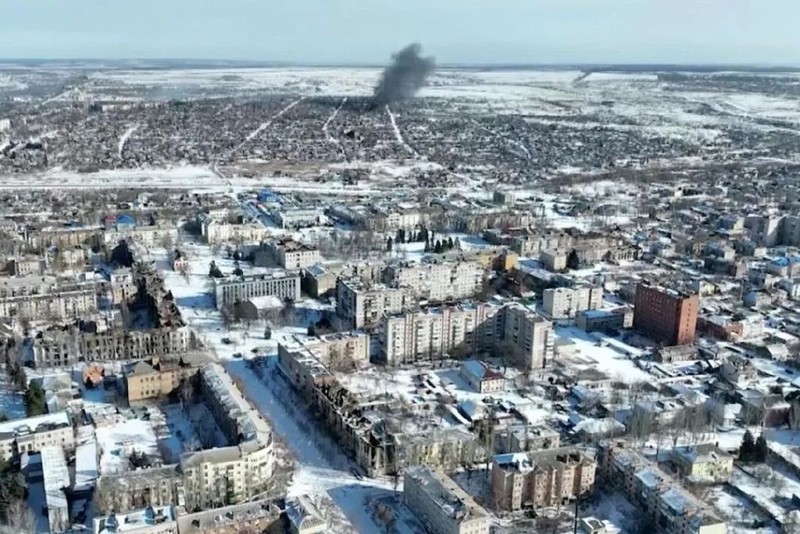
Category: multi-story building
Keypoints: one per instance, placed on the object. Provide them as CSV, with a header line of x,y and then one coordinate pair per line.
x,y
432,333
278,283
240,471
662,498
665,315
295,218
291,254
130,490
157,377
215,231
150,520
33,433
526,438
148,236
605,320
541,479
339,351
441,504
529,334
122,285
703,462
57,305
437,282
256,516
57,348
362,304
566,302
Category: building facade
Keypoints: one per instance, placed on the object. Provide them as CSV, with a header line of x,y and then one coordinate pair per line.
x,y
362,304
431,334
541,479
438,282
278,283
441,504
566,302
664,315
529,334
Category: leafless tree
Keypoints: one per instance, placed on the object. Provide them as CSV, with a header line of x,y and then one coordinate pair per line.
x,y
20,517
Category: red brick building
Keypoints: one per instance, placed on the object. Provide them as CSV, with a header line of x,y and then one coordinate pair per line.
x,y
665,315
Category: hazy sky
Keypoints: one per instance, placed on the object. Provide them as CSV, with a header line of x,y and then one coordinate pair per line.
x,y
366,31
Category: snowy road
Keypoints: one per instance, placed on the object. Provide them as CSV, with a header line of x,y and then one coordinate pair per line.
x,y
322,466
124,139
264,125
398,135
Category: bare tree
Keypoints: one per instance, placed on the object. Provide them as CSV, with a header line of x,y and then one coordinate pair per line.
x,y
20,517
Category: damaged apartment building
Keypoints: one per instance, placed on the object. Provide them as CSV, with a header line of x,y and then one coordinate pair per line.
x,y
156,329
383,433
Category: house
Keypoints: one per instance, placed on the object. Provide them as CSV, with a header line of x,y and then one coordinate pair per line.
x,y
705,462
482,379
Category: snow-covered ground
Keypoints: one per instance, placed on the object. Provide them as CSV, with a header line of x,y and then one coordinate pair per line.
x,y
119,439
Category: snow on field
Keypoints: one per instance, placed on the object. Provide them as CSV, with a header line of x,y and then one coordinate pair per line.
x,y
118,440
738,511
606,358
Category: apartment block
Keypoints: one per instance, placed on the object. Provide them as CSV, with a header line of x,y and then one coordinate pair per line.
x,y
432,333
703,462
57,348
291,254
541,479
665,315
58,305
256,516
278,283
530,335
566,302
215,231
362,304
605,320
673,509
157,377
437,282
148,236
441,504
339,351
228,475
34,433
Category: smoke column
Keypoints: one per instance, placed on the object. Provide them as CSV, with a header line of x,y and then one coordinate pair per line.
x,y
404,77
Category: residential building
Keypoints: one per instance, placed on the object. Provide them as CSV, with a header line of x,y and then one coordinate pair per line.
x,y
291,254
295,218
59,305
703,462
665,315
338,351
605,320
279,283
529,335
319,281
216,231
526,438
157,377
541,479
256,516
150,520
481,378
362,304
437,282
434,332
148,236
58,348
441,504
32,434
566,302
661,498
240,471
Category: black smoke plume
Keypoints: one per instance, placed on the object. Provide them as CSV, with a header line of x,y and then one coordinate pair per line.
x,y
404,77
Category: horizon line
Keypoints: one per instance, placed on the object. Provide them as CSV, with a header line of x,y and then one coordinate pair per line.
x,y
253,63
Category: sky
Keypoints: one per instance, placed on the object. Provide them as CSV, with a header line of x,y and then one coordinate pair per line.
x,y
367,31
